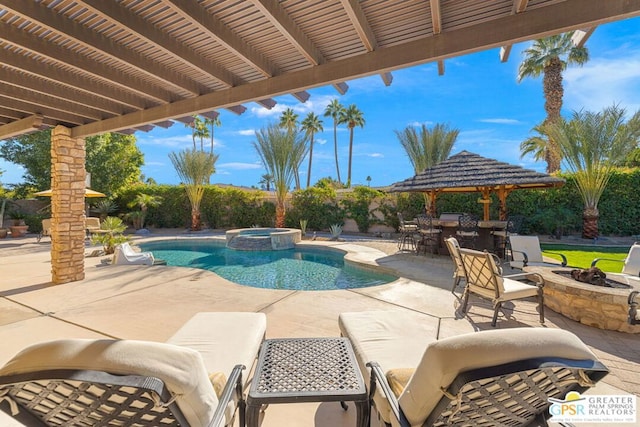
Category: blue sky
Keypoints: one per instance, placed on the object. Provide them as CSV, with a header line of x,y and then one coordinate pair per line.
x,y
478,95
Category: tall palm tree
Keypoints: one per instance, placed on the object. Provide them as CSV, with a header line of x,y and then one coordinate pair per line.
x,y
536,145
194,169
352,117
212,123
334,110
427,147
310,125
592,144
551,56
281,153
289,121
199,131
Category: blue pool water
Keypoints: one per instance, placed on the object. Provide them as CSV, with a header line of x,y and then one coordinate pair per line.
x,y
296,269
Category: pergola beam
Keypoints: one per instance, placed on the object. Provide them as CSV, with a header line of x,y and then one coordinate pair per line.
x,y
580,37
558,17
19,127
519,6
50,19
217,30
159,39
55,53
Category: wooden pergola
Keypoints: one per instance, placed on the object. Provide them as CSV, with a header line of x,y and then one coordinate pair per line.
x,y
85,67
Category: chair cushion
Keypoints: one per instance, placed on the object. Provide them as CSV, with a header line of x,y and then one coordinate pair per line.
x,y
181,369
514,289
445,359
394,339
223,339
398,379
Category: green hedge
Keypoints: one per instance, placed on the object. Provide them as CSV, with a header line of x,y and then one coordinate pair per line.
x,y
546,211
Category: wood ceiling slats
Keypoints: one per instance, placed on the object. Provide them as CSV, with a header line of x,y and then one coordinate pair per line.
x,y
105,61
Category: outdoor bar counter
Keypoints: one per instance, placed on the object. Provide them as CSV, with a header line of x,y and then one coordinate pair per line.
x,y
485,239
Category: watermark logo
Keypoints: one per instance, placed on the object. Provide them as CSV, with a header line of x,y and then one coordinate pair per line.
x,y
594,409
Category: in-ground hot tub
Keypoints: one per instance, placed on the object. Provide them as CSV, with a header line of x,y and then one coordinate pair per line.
x,y
263,239
597,306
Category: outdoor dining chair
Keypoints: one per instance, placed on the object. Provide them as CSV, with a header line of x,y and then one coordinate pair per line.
x,y
468,230
631,262
526,251
502,377
484,278
429,234
195,379
458,267
46,229
407,229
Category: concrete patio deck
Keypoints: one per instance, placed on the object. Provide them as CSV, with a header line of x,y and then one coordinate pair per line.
x,y
151,303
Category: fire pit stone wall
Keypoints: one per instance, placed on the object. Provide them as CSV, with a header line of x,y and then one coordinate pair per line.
x,y
596,306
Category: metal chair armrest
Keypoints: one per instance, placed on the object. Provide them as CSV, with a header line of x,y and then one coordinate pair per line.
x,y
234,384
529,276
525,261
377,376
564,258
597,260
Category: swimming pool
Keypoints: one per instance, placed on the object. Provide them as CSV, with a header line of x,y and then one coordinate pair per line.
x,y
294,269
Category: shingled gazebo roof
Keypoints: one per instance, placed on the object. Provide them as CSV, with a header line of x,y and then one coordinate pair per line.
x,y
467,172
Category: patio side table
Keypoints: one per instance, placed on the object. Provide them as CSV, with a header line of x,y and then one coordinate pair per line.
x,y
294,370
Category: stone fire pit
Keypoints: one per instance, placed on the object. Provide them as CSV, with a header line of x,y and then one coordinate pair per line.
x,y
597,306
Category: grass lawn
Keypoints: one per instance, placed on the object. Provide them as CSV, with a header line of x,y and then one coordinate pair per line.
x,y
582,256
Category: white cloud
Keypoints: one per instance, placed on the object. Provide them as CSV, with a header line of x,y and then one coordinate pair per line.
x,y
320,141
419,124
603,82
500,121
376,155
246,132
173,141
238,166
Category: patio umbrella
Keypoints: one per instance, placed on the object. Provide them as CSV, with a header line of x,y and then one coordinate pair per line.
x,y
467,172
87,193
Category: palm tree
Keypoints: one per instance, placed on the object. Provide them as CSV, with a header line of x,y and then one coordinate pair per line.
x,y
212,123
334,110
194,169
289,121
199,130
281,153
536,145
427,148
551,56
265,181
592,144
311,124
144,202
352,117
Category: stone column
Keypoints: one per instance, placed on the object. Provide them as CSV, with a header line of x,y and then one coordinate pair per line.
x,y
67,206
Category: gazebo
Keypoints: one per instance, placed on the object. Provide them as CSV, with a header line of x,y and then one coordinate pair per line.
x,y
467,172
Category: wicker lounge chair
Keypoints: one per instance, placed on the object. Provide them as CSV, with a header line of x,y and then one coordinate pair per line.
x,y
526,251
491,378
458,272
631,262
137,383
484,278
124,254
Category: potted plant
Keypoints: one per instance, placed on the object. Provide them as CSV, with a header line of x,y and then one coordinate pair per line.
x,y
19,228
112,236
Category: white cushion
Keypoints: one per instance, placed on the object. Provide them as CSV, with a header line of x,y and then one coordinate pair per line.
x,y
394,339
223,339
445,359
181,369
124,254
